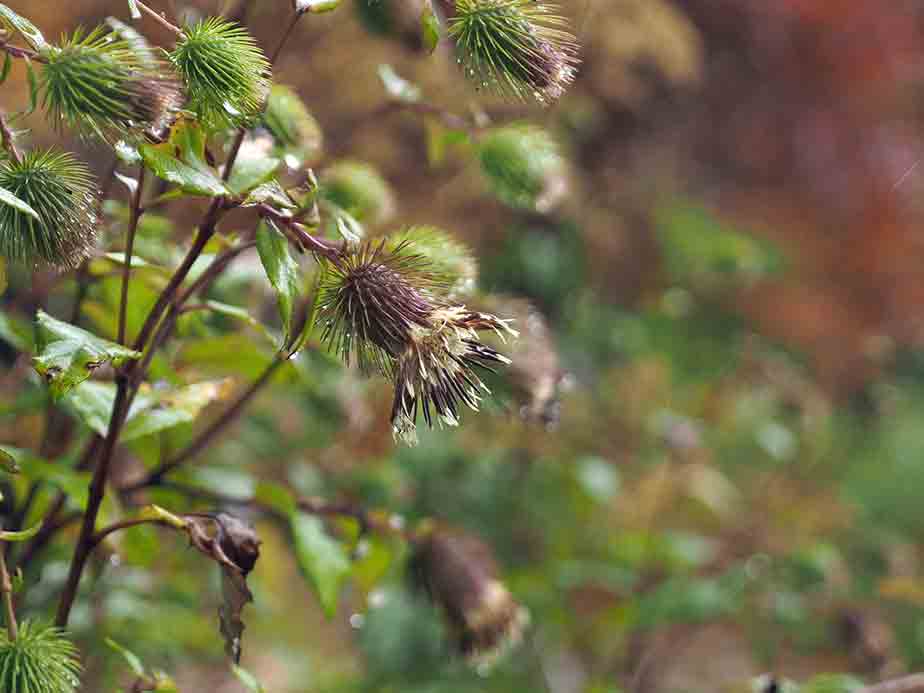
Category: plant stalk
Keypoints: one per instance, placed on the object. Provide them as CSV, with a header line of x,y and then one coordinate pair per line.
x,y
6,587
136,212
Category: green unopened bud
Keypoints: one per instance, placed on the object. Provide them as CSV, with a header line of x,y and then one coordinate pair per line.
x,y
360,190
520,48
292,125
39,659
98,84
449,259
62,193
227,75
524,167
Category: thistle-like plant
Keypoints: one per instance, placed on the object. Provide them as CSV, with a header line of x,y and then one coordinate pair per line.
x,y
520,48
39,660
62,193
227,75
370,298
524,167
98,83
391,310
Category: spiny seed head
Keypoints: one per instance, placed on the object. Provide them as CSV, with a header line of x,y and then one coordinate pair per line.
x,y
520,48
62,192
437,372
292,125
449,259
524,167
39,660
227,75
97,84
371,299
458,572
359,189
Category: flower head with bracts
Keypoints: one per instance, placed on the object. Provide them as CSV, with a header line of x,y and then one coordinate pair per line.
x,y
386,308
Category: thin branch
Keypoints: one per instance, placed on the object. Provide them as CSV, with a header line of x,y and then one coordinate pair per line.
x,y
23,53
285,37
167,296
94,501
6,587
159,18
124,524
316,245
908,684
134,218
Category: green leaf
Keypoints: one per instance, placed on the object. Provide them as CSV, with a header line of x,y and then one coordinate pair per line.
x,y
133,661
316,6
251,170
60,474
8,462
248,679
397,87
282,271
430,28
24,27
8,198
194,181
271,193
323,560
127,153
151,412
133,9
24,535
7,65
69,354
33,87
15,332
277,497
241,314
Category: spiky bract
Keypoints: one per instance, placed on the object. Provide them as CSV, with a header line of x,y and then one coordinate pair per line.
x,y
62,191
96,83
458,572
227,75
449,259
40,660
520,48
359,189
370,299
437,372
524,167
291,123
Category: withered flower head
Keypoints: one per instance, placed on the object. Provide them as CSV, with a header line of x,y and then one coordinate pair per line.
x,y
458,573
371,298
385,307
437,370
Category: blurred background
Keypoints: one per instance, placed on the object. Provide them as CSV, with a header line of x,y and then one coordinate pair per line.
x,y
706,462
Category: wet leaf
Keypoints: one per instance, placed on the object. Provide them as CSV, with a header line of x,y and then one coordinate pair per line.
x,y
323,560
151,412
68,355
282,271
